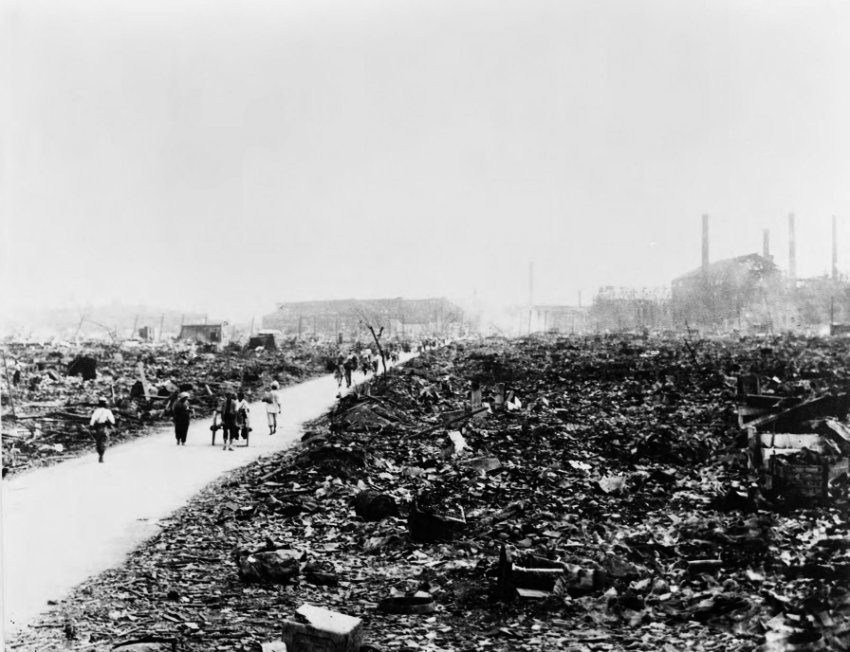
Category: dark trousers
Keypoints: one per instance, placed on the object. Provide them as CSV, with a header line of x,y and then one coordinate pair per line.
x,y
181,429
230,430
101,439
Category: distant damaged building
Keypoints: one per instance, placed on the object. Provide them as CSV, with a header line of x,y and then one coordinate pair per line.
x,y
741,292
348,317
202,333
627,309
560,319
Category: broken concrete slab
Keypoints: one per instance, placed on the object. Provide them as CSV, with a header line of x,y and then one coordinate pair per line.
x,y
484,463
322,630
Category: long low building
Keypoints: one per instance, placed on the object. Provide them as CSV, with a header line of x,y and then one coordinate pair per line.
x,y
349,318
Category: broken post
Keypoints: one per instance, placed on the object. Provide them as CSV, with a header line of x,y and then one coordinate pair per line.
x,y
8,385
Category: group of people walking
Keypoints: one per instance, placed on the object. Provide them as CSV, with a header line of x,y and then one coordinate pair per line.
x,y
231,417
232,414
365,361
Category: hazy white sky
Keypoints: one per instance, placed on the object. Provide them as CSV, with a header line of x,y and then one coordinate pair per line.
x,y
227,155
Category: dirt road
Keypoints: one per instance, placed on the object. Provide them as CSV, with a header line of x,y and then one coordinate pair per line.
x,y
67,522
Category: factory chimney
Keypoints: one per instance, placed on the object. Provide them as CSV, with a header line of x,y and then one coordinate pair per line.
x,y
765,243
704,243
792,250
834,250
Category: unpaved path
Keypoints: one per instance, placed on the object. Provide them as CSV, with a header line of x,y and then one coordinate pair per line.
x,y
65,523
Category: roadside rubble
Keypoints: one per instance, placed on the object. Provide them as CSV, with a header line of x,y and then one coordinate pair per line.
x,y
544,493
46,412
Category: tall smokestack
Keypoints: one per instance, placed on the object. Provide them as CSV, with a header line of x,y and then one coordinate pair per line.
x,y
834,250
705,242
792,249
765,243
530,284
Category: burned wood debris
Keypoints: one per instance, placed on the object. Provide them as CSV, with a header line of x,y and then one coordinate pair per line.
x,y
52,389
583,494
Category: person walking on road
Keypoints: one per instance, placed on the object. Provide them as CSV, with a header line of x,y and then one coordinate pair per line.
x,y
102,421
349,366
272,407
182,415
228,413
242,409
339,371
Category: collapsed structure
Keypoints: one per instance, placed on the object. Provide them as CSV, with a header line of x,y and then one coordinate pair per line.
x,y
202,333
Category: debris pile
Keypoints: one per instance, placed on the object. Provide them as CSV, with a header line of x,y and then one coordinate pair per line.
x,y
50,391
546,493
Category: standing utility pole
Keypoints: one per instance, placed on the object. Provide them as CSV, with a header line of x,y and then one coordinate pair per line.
x,y
530,293
792,250
834,250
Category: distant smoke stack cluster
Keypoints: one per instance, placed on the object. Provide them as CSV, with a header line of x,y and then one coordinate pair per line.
x,y
749,292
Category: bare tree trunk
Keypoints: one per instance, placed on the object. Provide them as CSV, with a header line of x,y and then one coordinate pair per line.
x,y
377,339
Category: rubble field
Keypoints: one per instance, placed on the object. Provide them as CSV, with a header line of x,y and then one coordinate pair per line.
x,y
46,413
537,494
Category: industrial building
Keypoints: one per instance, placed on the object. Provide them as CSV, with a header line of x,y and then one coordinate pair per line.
x,y
746,291
751,293
731,293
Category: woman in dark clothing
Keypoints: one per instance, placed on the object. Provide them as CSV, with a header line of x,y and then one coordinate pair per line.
x,y
230,429
182,415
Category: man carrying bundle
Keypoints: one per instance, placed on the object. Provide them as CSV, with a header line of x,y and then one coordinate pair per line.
x,y
102,421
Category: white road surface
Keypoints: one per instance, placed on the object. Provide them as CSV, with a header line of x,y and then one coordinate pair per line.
x,y
65,523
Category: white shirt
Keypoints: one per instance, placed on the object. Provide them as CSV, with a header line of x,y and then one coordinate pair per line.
x,y
102,415
273,407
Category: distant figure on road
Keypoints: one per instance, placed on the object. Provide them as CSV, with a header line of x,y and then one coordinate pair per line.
x,y
182,416
242,409
349,366
272,407
339,372
101,422
227,410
